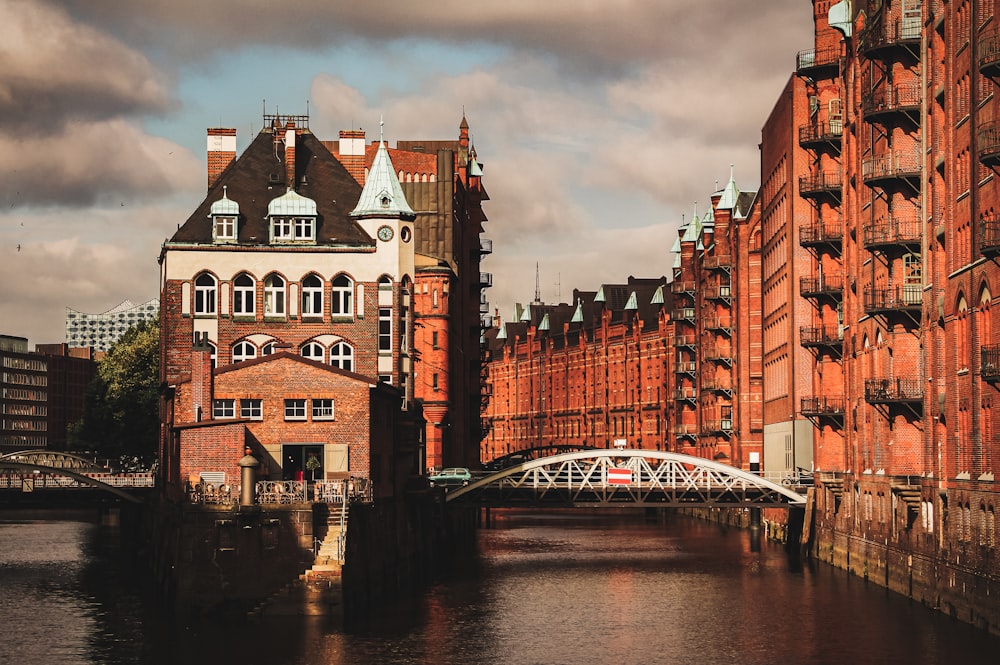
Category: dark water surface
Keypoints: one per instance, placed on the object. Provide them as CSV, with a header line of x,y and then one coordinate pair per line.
x,y
577,588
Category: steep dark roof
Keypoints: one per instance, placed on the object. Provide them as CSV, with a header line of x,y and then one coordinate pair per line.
x,y
257,177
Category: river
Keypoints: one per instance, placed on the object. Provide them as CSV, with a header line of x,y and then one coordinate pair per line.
x,y
552,589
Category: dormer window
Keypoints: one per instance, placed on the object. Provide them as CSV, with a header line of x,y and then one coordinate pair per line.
x,y
224,214
293,218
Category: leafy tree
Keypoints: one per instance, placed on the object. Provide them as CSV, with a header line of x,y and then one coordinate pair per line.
x,y
121,417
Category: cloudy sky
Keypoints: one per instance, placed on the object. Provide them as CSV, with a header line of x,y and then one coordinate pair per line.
x,y
599,124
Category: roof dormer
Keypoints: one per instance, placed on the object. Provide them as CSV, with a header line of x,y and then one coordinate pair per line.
x,y
225,215
292,218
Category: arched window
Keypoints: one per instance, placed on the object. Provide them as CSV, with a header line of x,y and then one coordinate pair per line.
x,y
962,334
244,292
342,299
312,296
244,351
274,296
269,348
342,356
313,351
204,294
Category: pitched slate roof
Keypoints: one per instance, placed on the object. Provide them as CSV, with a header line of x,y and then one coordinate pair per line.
x,y
257,177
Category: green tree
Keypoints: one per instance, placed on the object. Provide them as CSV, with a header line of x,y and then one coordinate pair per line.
x,y
121,417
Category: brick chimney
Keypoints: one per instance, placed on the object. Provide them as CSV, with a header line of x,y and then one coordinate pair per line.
x,y
352,153
290,155
202,381
221,151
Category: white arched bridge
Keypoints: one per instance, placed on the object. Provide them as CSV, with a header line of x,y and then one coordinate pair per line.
x,y
625,478
29,471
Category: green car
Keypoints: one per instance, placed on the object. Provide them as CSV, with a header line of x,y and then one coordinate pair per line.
x,y
451,477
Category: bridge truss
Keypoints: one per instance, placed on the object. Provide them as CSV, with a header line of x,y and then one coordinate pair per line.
x,y
625,478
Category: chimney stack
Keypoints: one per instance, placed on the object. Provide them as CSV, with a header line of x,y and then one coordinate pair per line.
x,y
202,378
352,153
221,151
290,155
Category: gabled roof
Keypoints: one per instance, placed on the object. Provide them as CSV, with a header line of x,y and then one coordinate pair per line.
x,y
294,357
257,177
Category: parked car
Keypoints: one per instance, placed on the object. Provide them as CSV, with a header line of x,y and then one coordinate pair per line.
x,y
450,477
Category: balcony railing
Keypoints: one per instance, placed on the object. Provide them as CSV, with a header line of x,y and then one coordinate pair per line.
x,y
683,314
685,367
716,353
988,142
717,262
721,426
717,384
894,166
822,406
883,36
722,323
685,340
989,237
486,279
686,394
686,286
821,233
825,285
989,54
685,430
718,292
485,246
892,391
886,99
814,133
811,61
899,298
899,230
989,362
821,336
820,184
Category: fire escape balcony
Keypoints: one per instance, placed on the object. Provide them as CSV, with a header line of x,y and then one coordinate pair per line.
x,y
683,314
686,340
883,39
818,63
822,337
988,143
823,407
686,367
989,54
989,237
687,394
900,230
815,135
484,304
989,362
685,431
687,287
901,298
893,391
888,101
829,286
718,292
723,426
485,246
719,385
718,324
485,279
898,166
719,354
717,262
819,233
820,185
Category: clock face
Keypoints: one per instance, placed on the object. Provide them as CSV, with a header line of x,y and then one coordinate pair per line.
x,y
385,233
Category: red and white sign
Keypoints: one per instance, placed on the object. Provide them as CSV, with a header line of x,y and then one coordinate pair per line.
x,y
619,476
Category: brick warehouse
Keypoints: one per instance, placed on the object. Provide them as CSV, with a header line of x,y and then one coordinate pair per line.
x,y
861,281
294,251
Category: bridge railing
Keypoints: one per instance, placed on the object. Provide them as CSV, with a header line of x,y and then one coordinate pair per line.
x,y
18,480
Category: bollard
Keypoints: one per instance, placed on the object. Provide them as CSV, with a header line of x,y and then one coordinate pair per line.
x,y
248,479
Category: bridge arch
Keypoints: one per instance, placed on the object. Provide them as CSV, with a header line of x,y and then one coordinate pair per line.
x,y
30,467
622,478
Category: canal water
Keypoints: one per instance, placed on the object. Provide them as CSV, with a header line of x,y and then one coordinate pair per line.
x,y
553,589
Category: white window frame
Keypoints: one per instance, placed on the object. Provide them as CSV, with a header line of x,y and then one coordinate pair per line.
x,y
274,295
224,227
252,408
295,409
342,356
304,228
312,295
323,409
313,351
243,350
281,229
205,294
342,302
223,409
244,297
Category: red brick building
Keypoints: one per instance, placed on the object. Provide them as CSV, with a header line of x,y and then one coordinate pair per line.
x,y
294,252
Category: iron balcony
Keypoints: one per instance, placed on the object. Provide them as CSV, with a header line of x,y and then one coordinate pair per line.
x,y
820,184
989,54
894,166
882,38
821,233
825,285
899,298
900,230
893,391
817,134
888,100
822,406
821,336
989,362
988,142
989,237
817,63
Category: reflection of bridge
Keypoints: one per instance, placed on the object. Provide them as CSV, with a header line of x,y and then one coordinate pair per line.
x,y
625,478
44,471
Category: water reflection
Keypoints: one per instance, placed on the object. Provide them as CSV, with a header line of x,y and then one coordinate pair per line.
x,y
571,588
